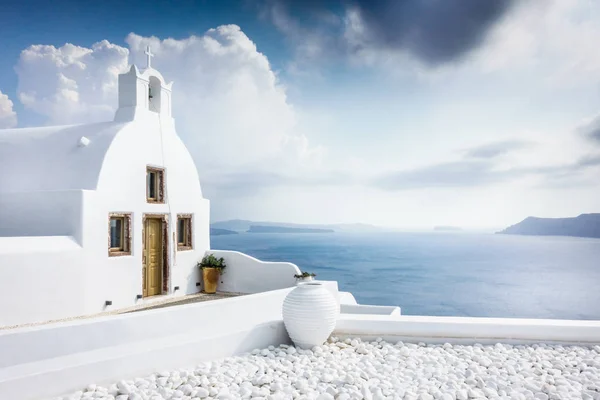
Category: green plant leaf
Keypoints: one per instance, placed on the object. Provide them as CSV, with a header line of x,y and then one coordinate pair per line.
x,y
210,261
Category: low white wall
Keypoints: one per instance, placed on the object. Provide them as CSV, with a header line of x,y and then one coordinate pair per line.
x,y
246,274
369,310
58,358
42,213
347,298
42,283
462,330
65,375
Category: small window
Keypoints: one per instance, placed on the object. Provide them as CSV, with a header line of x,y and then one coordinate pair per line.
x,y
119,236
154,185
184,232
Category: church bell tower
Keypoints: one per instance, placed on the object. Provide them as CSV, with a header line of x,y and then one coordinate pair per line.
x,y
143,93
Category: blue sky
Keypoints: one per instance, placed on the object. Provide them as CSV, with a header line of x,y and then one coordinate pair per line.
x,y
393,113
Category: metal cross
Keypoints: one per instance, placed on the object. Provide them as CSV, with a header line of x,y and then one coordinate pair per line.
x,y
150,55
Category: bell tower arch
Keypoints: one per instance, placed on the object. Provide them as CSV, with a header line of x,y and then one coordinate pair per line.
x,y
143,92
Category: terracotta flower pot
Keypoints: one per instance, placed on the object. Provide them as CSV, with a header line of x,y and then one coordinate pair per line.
x,y
211,279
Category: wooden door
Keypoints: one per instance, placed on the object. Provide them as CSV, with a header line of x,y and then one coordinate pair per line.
x,y
153,254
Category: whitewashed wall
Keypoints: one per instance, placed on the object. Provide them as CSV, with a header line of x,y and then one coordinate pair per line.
x,y
39,286
64,357
42,213
347,298
127,193
465,330
246,274
369,310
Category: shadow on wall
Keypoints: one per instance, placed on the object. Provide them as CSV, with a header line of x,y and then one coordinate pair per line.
x,y
246,274
194,282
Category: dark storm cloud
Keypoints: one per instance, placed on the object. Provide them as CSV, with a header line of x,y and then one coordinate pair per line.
x,y
434,31
495,149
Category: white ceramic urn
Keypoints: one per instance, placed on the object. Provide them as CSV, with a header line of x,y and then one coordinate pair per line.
x,y
310,313
306,279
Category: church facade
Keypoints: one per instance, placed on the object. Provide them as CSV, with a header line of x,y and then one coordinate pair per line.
x,y
100,216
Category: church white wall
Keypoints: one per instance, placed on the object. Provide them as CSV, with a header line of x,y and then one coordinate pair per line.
x,y
127,90
42,264
122,189
166,102
41,285
141,94
45,280
81,284
42,213
52,158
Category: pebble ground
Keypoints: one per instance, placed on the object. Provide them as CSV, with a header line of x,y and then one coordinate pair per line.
x,y
353,369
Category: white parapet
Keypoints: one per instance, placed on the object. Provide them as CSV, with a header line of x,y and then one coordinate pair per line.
x,y
246,274
48,360
347,298
369,310
463,330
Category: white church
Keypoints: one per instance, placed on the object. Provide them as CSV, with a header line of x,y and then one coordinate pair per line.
x,y
100,216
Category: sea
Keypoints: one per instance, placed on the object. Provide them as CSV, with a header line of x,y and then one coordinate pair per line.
x,y
445,273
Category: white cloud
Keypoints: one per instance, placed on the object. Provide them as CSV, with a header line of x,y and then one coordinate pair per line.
x,y
71,84
8,117
225,95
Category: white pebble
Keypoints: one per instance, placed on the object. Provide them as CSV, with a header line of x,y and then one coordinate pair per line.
x,y
355,369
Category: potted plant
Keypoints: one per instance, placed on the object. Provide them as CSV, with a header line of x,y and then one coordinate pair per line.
x,y
305,276
212,268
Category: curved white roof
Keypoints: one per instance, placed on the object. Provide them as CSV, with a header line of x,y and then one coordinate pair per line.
x,y
54,158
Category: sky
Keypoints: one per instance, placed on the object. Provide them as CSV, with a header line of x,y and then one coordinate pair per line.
x,y
405,114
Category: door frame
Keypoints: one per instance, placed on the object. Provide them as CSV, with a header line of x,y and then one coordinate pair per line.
x,y
166,270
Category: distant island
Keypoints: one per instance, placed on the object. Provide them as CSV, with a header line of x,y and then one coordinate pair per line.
x,y
447,228
585,225
283,229
218,232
